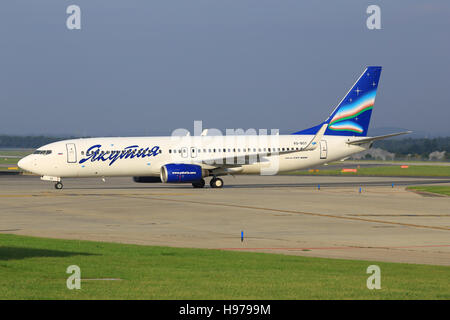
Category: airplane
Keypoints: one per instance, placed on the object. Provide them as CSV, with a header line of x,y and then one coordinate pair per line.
x,y
191,159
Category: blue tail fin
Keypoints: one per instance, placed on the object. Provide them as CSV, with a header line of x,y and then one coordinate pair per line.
x,y
352,115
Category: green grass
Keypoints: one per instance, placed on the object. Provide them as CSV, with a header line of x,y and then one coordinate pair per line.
x,y
18,153
445,190
11,161
400,162
385,171
34,268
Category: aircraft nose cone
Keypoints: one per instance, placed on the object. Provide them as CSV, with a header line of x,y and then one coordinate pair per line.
x,y
24,164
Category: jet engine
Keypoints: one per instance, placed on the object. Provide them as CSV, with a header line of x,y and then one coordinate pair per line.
x,y
182,173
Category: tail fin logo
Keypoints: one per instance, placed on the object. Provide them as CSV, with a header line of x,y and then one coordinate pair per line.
x,y
342,120
352,115
347,126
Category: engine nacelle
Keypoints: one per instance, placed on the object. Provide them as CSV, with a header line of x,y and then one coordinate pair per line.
x,y
182,173
147,179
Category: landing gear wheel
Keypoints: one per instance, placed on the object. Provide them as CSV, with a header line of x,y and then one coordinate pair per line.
x,y
199,184
216,183
58,185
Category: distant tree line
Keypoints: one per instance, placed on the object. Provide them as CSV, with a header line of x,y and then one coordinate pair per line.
x,y
414,147
30,142
402,148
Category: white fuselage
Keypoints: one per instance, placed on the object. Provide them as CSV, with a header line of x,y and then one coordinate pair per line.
x,y
144,156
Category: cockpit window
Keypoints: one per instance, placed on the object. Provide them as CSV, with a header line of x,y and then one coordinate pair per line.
x,y
43,152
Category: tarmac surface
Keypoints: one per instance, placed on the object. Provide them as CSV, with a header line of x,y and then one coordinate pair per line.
x,y
278,214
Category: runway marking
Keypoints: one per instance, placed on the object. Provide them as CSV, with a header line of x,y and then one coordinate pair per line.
x,y
103,279
340,248
49,194
399,215
16,195
305,213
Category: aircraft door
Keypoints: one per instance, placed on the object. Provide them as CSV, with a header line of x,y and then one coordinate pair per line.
x,y
184,152
71,153
193,152
323,149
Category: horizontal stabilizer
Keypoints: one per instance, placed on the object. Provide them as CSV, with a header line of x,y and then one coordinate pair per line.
x,y
367,140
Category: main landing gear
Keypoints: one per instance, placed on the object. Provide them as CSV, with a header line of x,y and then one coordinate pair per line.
x,y
214,183
199,184
58,185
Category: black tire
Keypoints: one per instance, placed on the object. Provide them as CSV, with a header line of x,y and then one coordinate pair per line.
x,y
58,185
199,184
216,183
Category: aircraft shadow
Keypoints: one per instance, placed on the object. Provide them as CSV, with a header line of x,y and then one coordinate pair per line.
x,y
18,253
387,182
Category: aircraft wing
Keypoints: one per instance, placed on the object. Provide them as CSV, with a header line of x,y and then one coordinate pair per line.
x,y
237,161
367,140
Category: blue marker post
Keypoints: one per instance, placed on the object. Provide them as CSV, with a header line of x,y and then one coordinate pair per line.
x,y
242,236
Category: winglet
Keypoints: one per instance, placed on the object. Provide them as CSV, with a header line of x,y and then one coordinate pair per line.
x,y
314,142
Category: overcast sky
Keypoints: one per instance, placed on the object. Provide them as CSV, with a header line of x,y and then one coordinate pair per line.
x,y
146,67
